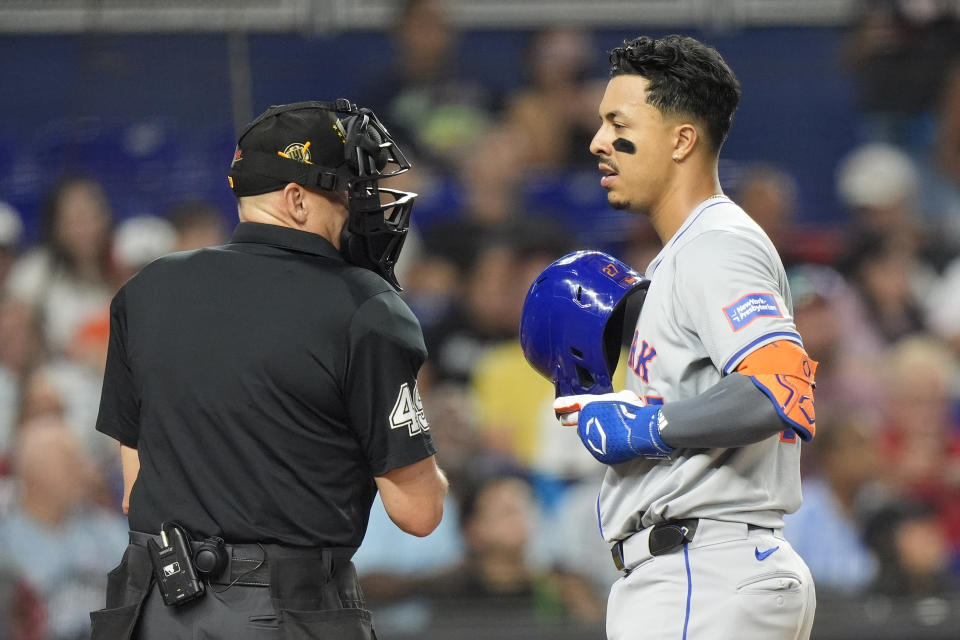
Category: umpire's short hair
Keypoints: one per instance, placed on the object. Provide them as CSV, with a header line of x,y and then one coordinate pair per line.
x,y
686,77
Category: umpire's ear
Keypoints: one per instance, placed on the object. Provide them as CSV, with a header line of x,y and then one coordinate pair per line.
x,y
294,202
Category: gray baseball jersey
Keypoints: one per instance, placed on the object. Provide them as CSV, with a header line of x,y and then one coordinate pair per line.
x,y
718,292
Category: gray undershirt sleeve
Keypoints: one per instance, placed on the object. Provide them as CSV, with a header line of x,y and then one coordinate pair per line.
x,y
732,413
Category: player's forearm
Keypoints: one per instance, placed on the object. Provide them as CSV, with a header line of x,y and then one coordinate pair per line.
x,y
732,413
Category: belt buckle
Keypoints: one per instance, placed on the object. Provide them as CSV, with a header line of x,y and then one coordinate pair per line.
x,y
617,552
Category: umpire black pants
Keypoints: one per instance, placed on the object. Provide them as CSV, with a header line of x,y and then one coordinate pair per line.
x,y
310,595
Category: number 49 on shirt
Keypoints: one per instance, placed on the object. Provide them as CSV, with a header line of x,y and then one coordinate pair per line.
x,y
408,411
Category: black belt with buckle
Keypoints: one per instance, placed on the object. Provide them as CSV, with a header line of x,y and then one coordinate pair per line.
x,y
249,564
246,564
664,538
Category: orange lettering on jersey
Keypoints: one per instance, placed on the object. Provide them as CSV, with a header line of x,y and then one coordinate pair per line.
x,y
785,373
640,356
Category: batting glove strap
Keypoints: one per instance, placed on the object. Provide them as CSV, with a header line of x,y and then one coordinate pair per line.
x,y
616,432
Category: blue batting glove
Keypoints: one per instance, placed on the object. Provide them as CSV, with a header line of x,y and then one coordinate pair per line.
x,y
614,427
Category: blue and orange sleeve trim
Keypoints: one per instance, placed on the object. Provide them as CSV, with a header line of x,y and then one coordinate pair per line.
x,y
785,374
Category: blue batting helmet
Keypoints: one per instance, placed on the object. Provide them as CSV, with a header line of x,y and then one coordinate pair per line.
x,y
572,320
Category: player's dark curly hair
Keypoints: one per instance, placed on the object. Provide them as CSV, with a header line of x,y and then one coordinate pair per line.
x,y
686,77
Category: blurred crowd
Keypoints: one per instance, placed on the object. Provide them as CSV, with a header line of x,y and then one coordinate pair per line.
x,y
876,298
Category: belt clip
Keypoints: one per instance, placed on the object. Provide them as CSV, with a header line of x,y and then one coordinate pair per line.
x,y
617,552
666,537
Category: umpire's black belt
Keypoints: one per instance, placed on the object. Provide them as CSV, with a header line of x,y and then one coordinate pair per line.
x,y
249,564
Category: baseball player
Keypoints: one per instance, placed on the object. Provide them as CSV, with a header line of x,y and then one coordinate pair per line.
x,y
703,447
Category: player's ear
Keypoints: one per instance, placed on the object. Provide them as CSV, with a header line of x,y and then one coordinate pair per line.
x,y
685,139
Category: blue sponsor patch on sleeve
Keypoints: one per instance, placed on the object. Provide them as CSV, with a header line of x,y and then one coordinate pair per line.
x,y
750,307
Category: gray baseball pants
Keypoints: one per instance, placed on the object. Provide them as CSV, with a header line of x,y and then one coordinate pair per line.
x,y
729,582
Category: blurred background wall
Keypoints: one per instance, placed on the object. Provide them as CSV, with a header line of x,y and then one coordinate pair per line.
x,y
151,93
118,119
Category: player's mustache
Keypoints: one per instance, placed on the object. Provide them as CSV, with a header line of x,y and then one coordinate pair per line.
x,y
609,165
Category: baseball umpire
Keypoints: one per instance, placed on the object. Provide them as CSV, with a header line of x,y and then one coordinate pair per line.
x,y
703,448
263,391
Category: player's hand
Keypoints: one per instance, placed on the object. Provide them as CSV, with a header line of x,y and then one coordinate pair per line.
x,y
568,408
614,427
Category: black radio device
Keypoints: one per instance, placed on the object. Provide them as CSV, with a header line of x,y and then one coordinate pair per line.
x,y
173,566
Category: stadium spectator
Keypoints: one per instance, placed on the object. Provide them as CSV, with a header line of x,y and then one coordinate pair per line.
x,y
880,186
880,268
138,241
942,306
769,195
499,578
11,235
902,44
581,549
197,225
431,286
439,112
387,564
60,543
68,277
39,397
22,616
21,349
948,142
838,334
920,443
514,403
388,558
515,414
70,389
909,541
942,189
500,522
558,83
453,422
487,309
480,318
827,530
913,45
390,563
490,183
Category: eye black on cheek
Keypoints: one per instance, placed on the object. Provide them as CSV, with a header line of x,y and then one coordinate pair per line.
x,y
624,146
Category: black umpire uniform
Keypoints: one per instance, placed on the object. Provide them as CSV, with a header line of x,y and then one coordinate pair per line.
x,y
264,384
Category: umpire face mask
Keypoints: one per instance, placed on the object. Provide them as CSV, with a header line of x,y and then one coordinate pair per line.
x,y
379,217
333,146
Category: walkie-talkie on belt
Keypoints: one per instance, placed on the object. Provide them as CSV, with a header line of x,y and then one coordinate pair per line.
x,y
172,560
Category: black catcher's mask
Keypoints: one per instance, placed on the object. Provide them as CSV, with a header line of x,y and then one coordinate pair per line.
x,y
334,146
